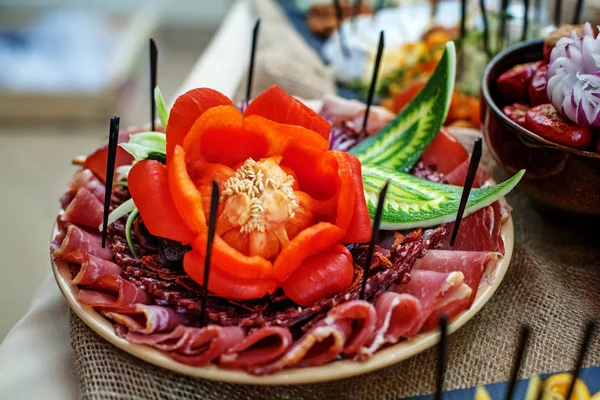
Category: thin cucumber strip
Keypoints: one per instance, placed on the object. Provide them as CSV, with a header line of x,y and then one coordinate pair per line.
x,y
128,227
161,107
412,202
121,211
141,145
401,142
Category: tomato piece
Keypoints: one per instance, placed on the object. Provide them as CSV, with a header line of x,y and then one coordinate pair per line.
x,y
276,105
458,176
537,86
96,162
187,198
224,284
320,276
445,152
545,121
352,212
231,261
402,99
313,240
187,109
513,85
149,188
516,112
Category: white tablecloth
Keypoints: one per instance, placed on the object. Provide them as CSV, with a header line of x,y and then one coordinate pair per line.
x,y
35,357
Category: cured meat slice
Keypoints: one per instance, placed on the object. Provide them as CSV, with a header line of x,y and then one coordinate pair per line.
x,y
85,209
351,112
472,264
398,316
77,243
438,292
321,344
128,294
97,273
149,319
189,345
258,348
459,174
86,179
362,316
480,231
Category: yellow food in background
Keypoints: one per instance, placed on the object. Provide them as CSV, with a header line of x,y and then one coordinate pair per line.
x,y
596,396
482,394
534,387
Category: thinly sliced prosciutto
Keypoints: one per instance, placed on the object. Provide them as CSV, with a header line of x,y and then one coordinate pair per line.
x,y
321,344
128,294
472,264
189,345
362,316
438,292
100,274
86,179
149,319
352,112
77,243
85,209
480,231
258,348
398,316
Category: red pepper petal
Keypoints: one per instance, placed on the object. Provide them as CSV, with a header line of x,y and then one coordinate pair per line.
x,y
149,189
320,276
187,109
223,284
313,240
360,229
276,105
346,194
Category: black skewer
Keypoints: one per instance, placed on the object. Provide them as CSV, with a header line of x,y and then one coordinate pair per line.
x,y
463,20
471,173
578,11
517,361
525,21
585,343
486,29
373,80
339,17
212,222
374,238
153,59
502,37
557,12
442,356
252,55
113,140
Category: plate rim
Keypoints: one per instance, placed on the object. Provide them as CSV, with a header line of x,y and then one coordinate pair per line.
x,y
336,370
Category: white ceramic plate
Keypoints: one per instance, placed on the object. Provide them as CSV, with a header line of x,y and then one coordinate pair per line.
x,y
332,371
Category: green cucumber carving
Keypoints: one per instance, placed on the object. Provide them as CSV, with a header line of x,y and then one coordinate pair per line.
x,y
413,202
401,142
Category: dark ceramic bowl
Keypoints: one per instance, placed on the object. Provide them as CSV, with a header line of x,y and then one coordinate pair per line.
x,y
558,177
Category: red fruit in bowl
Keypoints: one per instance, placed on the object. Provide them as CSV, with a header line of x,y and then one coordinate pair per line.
x,y
513,85
545,121
537,86
516,112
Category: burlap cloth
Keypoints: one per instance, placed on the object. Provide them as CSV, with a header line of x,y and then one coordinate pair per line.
x,y
552,284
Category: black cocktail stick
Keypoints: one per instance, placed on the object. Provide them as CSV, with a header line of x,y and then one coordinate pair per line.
x,y
557,12
525,21
113,140
374,238
252,55
471,173
486,29
373,80
339,17
585,343
578,11
212,222
517,361
503,19
463,20
153,58
442,356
